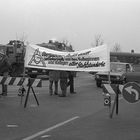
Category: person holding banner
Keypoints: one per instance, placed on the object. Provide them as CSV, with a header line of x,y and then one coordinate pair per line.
x,y
63,83
71,81
54,76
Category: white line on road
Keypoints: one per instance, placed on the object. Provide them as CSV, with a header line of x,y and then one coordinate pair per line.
x,y
49,129
45,136
12,125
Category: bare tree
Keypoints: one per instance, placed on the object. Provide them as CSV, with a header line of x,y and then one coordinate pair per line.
x,y
117,47
22,38
97,41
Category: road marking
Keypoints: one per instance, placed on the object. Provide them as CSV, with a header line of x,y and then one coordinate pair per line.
x,y
12,125
45,136
49,129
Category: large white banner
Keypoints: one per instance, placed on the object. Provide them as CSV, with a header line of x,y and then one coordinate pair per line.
x,y
93,59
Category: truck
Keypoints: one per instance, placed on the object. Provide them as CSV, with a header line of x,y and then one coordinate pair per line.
x,y
15,52
119,74
4,65
132,76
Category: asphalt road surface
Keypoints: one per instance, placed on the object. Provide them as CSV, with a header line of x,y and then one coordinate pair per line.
x,y
80,116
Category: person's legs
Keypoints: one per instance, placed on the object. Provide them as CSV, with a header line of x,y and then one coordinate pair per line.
x,y
51,87
63,93
63,85
4,87
56,88
71,84
4,90
68,83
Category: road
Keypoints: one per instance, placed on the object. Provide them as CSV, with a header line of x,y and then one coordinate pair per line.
x,y
76,117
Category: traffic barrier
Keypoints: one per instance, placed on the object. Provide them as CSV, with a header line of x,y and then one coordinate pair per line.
x,y
112,88
19,81
22,81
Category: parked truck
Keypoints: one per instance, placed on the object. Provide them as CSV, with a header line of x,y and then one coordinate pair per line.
x,y
120,73
15,52
4,64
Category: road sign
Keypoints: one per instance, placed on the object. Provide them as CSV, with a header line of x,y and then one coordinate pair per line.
x,y
131,92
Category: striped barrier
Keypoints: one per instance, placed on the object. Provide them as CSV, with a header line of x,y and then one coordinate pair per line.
x,y
22,81
109,89
18,81
112,88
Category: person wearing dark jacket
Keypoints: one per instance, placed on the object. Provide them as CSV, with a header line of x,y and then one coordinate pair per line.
x,y
53,78
71,81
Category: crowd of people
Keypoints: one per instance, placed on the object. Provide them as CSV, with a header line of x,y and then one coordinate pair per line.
x,y
66,79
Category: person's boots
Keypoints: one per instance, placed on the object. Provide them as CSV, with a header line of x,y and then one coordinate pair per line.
x,y
4,90
63,93
55,93
51,92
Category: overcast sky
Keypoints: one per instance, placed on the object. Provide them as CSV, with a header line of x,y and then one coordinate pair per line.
x,y
78,21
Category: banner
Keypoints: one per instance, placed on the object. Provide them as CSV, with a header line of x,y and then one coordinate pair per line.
x,y
93,59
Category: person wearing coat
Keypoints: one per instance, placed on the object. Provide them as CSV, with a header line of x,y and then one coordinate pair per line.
x,y
54,76
63,83
71,81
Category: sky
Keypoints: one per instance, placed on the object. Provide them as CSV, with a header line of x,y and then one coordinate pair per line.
x,y
78,21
